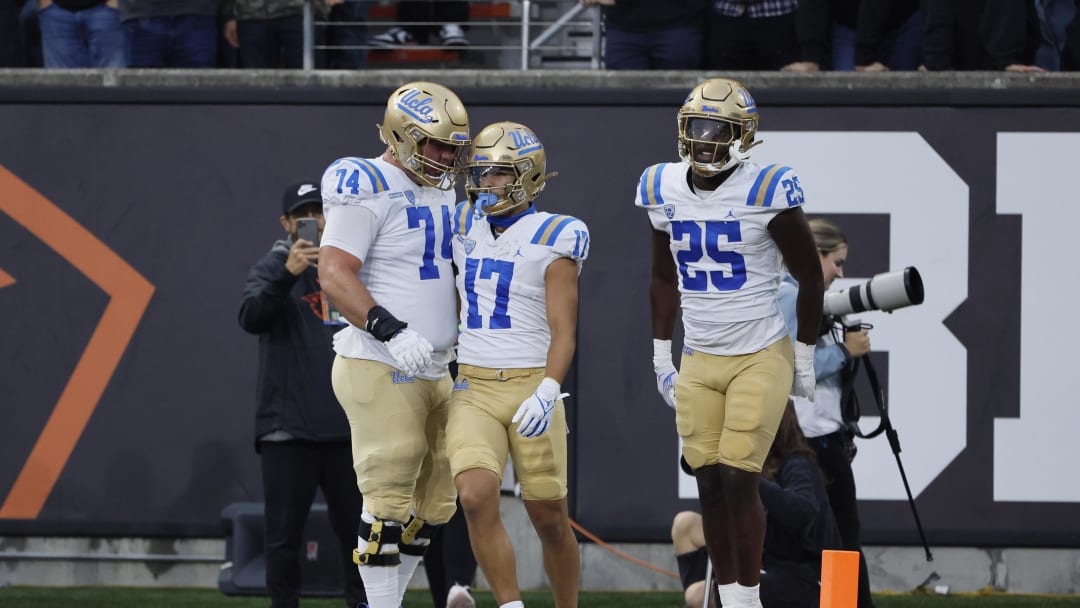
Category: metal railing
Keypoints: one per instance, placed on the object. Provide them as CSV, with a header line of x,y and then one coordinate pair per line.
x,y
527,47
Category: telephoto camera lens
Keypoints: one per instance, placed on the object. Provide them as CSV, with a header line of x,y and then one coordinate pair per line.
x,y
887,291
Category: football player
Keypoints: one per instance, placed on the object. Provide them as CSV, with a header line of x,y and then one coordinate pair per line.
x,y
385,263
722,226
518,288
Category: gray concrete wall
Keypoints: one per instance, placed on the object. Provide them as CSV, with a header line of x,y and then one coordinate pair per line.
x,y
196,562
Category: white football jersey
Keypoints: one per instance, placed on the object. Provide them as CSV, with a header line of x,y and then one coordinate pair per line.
x,y
728,264
401,232
501,286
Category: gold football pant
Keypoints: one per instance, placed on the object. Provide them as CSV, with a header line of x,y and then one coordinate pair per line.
x,y
480,434
398,426
729,407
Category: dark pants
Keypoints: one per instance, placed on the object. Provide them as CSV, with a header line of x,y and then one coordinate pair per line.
x,y
348,35
449,559
292,470
742,43
790,587
443,11
840,484
271,43
181,41
677,48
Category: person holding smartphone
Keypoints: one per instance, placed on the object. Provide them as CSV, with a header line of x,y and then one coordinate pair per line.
x,y
301,432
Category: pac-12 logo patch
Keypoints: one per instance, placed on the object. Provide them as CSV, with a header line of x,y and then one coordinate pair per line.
x,y
669,211
411,196
469,246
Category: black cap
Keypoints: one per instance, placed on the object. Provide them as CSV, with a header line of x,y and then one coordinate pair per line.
x,y
299,194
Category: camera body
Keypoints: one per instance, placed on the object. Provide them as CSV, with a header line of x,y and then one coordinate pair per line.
x,y
887,291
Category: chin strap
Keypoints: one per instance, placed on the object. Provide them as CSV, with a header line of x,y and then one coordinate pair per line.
x,y
736,156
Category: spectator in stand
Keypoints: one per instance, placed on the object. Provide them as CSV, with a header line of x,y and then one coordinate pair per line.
x,y
1060,32
647,35
415,17
170,33
353,36
81,34
270,33
862,35
752,35
979,35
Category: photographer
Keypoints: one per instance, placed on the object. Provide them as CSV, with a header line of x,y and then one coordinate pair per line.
x,y
821,420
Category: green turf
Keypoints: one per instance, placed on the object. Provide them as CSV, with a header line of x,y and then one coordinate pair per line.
x,y
120,597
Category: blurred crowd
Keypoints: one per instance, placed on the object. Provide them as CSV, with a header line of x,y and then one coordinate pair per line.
x,y
791,35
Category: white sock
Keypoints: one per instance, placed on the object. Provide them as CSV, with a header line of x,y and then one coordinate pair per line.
x,y
729,597
405,572
381,583
750,597
513,604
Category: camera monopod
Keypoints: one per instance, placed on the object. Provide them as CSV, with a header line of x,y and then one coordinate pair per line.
x,y
851,406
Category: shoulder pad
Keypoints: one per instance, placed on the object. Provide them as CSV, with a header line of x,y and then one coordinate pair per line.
x,y
763,192
549,229
463,218
354,176
649,191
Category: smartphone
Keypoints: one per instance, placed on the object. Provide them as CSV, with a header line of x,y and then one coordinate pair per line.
x,y
307,228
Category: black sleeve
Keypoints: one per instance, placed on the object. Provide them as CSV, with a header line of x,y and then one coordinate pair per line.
x,y
265,291
1003,29
937,39
869,31
793,501
813,24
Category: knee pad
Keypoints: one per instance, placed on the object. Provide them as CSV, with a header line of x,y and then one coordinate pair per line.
x,y
416,536
380,534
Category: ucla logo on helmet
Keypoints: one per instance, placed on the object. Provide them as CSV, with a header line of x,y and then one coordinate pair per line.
x,y
416,104
469,246
523,139
747,99
669,211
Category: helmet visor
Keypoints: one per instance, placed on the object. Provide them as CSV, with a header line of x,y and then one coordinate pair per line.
x,y
709,130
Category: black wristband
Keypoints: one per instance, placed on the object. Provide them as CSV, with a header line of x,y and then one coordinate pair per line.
x,y
382,324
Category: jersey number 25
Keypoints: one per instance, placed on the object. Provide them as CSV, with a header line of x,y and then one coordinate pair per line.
x,y
698,280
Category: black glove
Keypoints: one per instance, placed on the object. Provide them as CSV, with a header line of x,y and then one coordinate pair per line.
x,y
382,324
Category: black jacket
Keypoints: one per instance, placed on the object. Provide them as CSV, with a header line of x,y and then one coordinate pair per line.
x,y
799,523
293,391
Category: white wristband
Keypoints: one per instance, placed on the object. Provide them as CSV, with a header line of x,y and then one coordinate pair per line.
x,y
804,352
661,351
548,387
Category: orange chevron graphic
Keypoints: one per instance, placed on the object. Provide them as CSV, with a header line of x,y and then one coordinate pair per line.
x,y
5,279
129,296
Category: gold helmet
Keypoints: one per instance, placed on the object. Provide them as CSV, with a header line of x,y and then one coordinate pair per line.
x,y
512,149
417,114
718,121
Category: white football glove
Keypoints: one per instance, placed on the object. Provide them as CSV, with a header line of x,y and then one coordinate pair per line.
x,y
666,374
411,351
804,383
535,412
